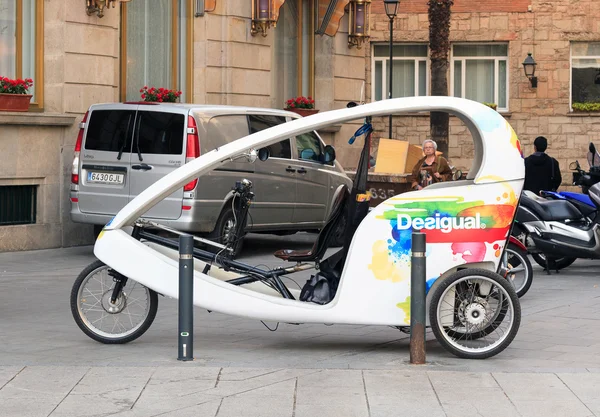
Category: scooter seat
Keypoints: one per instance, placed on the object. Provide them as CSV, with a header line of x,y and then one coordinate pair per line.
x,y
550,210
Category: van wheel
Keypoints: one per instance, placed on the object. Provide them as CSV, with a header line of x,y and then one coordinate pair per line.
x,y
97,229
339,235
224,233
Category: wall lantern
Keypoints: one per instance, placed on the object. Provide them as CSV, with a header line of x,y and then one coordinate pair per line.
x,y
358,23
98,6
529,65
264,16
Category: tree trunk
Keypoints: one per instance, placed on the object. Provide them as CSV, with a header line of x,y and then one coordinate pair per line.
x,y
439,46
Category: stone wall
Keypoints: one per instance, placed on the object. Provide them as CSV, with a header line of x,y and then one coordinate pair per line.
x,y
547,32
81,67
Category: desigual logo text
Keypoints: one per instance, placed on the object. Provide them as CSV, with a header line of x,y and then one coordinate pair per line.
x,y
445,224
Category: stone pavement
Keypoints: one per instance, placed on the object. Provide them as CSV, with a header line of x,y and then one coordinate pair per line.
x,y
48,367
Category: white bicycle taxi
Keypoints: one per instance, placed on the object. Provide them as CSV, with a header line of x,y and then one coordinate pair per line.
x,y
473,311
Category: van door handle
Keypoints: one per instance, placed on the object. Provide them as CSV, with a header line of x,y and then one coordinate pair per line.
x,y
142,167
302,171
290,169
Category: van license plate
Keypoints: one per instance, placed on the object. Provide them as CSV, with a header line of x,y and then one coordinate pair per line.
x,y
105,178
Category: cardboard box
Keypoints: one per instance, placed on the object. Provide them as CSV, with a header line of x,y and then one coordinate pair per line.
x,y
397,156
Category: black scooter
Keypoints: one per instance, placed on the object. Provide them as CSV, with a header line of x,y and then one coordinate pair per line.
x,y
556,231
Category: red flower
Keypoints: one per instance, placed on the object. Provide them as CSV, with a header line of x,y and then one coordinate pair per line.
x,y
18,86
143,95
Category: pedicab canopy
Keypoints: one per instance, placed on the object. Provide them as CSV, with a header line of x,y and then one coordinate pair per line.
x,y
497,149
466,223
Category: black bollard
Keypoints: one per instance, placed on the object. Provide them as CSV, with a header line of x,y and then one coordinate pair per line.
x,y
417,299
186,298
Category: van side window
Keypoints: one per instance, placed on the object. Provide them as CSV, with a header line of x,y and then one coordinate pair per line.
x,y
260,122
310,147
223,129
110,130
281,150
159,133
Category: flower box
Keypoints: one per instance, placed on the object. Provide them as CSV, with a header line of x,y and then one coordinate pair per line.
x,y
303,112
14,102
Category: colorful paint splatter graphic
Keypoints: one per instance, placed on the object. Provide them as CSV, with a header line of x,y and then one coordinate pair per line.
x,y
467,226
405,306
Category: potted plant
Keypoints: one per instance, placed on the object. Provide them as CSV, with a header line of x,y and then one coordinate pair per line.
x,y
161,95
304,106
589,107
491,105
13,94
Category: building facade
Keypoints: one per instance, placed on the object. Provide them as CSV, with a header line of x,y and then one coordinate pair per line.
x,y
213,52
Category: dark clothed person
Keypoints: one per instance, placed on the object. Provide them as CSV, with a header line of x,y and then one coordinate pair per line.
x,y
542,172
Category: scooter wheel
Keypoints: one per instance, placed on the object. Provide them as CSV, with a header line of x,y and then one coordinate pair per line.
x,y
558,263
517,269
120,322
475,313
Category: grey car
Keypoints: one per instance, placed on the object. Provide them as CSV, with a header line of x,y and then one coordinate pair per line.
x,y
122,148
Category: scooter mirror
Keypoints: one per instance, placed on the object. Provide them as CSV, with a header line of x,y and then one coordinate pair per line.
x,y
592,148
457,175
264,154
573,166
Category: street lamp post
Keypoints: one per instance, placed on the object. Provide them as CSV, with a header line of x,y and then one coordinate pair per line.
x,y
391,9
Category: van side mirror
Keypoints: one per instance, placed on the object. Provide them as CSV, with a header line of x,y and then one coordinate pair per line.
x,y
264,154
329,154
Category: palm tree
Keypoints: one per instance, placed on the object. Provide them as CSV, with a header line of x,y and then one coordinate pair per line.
x,y
439,45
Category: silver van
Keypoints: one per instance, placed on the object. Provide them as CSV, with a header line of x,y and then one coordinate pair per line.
x,y
122,148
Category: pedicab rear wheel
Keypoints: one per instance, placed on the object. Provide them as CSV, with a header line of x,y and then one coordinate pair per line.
x,y
475,313
97,316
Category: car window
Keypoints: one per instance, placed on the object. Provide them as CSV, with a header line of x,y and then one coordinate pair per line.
x,y
257,123
221,130
280,150
110,130
309,147
159,133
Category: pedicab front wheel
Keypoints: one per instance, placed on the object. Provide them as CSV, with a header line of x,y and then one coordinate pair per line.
x,y
121,321
475,313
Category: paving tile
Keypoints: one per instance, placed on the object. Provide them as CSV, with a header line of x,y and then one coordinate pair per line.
x,y
540,395
37,391
109,389
275,400
586,387
7,373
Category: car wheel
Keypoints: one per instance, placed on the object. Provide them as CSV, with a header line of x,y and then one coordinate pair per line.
x,y
97,229
224,233
339,235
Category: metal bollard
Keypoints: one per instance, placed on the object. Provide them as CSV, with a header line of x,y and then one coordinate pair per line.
x,y
417,299
186,298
